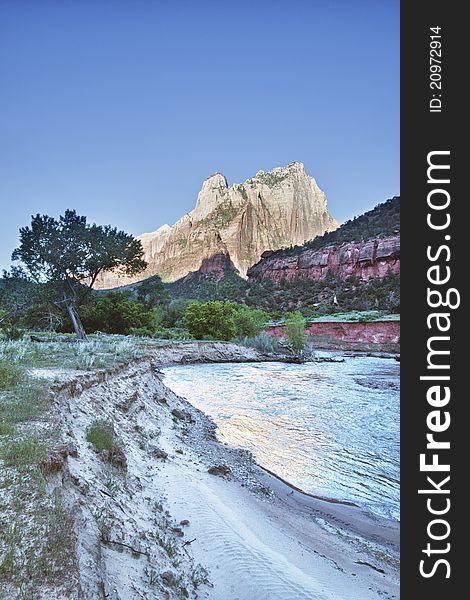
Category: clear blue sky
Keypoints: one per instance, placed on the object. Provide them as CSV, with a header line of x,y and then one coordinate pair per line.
x,y
120,109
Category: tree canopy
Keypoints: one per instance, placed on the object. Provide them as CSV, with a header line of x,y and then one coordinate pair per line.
x,y
151,292
68,253
222,320
117,312
211,320
71,249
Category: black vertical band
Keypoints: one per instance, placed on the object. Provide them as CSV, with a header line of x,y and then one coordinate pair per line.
x,y
434,359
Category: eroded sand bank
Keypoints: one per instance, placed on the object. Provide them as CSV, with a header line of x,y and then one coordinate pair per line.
x,y
166,528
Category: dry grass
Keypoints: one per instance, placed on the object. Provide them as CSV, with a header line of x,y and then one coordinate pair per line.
x,y
99,352
36,532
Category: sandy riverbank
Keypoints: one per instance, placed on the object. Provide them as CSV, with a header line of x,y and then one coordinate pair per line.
x,y
249,536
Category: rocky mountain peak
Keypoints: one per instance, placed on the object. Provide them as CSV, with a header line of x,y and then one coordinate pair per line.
x,y
296,166
213,190
215,180
272,210
162,229
290,169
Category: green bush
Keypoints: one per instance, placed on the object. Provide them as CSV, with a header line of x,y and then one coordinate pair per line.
x,y
102,435
248,321
116,312
173,314
223,320
42,317
10,375
12,332
295,330
212,320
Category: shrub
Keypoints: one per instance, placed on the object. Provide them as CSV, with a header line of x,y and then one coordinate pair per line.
x,y
173,315
223,320
295,330
212,320
12,332
41,316
248,321
11,375
116,313
102,435
262,342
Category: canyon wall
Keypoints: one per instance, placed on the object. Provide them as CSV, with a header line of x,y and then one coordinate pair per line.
x,y
370,336
272,210
373,258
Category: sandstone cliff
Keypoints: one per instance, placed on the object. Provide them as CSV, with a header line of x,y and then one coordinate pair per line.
x,y
272,210
374,336
372,258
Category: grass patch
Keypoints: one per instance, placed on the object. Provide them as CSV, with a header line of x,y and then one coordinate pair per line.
x,y
11,374
23,453
25,402
39,551
37,545
6,567
102,435
6,429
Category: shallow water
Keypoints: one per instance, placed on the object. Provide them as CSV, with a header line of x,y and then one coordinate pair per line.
x,y
331,429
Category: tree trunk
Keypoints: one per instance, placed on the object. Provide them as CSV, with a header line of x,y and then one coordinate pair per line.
x,y
77,324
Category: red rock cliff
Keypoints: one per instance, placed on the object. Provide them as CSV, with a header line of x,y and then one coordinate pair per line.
x,y
374,336
217,266
373,258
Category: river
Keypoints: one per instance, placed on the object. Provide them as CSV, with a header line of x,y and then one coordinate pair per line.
x,y
331,429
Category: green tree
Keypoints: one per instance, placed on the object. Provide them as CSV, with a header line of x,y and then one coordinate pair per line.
x,y
152,292
210,320
17,294
116,312
248,321
173,315
45,316
68,254
295,329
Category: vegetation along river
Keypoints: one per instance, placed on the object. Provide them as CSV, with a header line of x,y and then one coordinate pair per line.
x,y
331,429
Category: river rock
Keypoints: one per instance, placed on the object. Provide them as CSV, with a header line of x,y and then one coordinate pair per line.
x,y
220,470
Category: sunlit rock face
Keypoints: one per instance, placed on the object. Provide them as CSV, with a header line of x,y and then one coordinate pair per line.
x,y
272,210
